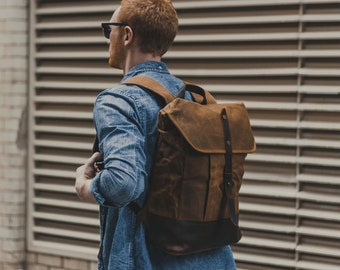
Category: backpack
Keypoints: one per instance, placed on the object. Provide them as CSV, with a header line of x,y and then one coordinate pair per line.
x,y
192,201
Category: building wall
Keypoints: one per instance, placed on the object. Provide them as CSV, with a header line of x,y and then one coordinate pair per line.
x,y
39,261
13,112
280,57
13,146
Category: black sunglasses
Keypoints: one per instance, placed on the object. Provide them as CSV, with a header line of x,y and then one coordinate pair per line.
x,y
107,29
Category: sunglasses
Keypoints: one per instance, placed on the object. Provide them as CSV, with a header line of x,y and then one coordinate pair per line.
x,y
107,29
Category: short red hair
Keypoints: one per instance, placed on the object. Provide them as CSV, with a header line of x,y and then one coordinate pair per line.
x,y
154,22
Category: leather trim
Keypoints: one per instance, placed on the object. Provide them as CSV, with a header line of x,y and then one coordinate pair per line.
x,y
186,237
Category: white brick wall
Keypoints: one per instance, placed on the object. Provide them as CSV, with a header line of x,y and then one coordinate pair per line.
x,y
13,99
49,262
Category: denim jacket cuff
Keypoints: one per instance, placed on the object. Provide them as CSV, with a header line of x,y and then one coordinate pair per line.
x,y
95,191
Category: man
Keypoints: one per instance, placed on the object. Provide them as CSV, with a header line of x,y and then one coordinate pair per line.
x,y
139,33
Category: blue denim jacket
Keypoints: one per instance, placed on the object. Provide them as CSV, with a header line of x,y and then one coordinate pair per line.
x,y
126,123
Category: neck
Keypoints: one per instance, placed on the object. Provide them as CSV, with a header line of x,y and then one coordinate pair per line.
x,y
136,58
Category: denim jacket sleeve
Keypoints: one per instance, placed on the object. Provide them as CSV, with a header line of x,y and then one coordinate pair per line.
x,y
120,123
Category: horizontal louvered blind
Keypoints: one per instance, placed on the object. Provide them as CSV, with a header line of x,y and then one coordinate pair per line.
x,y
282,58
318,171
68,69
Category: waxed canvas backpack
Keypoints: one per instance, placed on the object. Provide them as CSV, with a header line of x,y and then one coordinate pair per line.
x,y
192,202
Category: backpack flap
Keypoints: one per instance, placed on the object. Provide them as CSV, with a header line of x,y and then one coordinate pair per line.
x,y
201,126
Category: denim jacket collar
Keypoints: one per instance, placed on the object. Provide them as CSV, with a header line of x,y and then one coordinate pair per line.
x,y
148,66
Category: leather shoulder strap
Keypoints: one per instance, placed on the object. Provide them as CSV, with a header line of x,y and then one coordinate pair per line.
x,y
198,97
152,85
156,87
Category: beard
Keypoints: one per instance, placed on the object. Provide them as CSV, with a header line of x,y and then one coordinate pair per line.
x,y
117,54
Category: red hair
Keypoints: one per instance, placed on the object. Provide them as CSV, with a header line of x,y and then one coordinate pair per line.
x,y
154,22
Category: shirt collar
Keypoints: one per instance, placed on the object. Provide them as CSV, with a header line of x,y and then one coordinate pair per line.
x,y
154,66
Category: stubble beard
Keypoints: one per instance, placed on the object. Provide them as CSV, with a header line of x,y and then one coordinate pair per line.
x,y
117,58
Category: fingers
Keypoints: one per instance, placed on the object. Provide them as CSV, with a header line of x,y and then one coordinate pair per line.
x,y
89,169
95,157
98,166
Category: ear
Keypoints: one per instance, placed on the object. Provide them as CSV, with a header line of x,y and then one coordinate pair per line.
x,y
128,36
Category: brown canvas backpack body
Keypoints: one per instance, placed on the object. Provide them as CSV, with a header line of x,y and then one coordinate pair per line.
x,y
192,202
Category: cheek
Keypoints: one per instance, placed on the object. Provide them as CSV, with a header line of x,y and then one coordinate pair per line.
x,y
112,49
112,44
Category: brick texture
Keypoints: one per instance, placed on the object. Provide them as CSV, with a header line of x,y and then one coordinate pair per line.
x,y
50,262
13,99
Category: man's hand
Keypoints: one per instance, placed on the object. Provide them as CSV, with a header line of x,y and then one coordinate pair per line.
x,y
84,176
